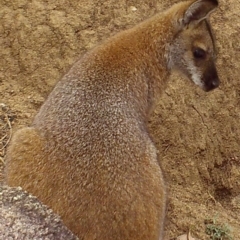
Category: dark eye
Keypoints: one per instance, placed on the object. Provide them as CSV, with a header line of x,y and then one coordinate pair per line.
x,y
199,53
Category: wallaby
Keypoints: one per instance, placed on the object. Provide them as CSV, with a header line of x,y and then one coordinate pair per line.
x,y
88,154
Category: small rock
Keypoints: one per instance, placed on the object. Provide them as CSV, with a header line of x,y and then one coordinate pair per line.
x,y
133,9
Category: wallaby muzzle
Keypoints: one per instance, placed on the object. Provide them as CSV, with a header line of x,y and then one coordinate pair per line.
x,y
210,78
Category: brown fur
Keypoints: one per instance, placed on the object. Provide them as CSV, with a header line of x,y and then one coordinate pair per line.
x,y
88,154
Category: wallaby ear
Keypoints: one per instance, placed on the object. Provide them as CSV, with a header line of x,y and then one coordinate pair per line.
x,y
199,10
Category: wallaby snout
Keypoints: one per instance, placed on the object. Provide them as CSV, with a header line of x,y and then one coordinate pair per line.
x,y
211,80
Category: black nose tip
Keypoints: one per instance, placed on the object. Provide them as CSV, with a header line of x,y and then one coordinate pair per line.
x,y
215,83
212,84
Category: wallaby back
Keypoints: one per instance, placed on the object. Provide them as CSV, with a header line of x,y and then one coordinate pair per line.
x,y
88,154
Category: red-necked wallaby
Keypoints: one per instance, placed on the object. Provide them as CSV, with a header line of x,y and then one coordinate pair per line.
x,y
88,154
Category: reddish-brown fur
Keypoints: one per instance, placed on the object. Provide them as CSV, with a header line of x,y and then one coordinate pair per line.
x,y
88,154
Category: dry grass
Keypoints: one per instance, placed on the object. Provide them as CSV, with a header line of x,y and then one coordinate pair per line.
x,y
6,116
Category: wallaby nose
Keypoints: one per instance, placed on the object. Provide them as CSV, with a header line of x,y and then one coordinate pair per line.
x,y
210,77
212,84
215,83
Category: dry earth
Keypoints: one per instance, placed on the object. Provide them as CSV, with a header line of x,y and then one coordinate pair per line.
x,y
197,133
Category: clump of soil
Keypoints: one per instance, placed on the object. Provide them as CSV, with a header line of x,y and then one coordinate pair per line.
x,y
195,132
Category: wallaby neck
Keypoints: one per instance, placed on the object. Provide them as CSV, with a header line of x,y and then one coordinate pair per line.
x,y
136,60
154,38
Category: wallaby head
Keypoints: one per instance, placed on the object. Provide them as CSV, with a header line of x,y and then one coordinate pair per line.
x,y
193,49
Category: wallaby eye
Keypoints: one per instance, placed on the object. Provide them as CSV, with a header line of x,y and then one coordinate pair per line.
x,y
199,53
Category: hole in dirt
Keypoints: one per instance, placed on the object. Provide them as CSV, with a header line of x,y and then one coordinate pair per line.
x,y
222,194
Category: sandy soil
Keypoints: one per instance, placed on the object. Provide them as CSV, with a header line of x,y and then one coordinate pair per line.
x,y
196,133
